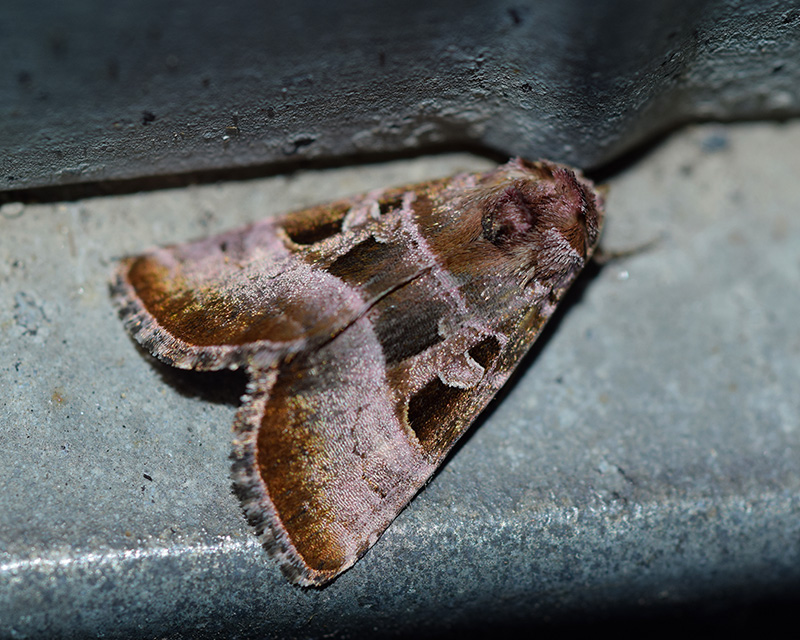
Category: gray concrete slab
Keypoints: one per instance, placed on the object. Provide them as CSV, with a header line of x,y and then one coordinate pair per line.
x,y
93,91
648,454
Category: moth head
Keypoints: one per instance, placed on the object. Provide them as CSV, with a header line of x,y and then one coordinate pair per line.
x,y
544,216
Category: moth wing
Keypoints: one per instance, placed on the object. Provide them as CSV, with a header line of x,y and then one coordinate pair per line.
x,y
323,463
222,301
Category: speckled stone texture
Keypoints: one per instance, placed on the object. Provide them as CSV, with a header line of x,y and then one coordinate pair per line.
x,y
646,455
93,91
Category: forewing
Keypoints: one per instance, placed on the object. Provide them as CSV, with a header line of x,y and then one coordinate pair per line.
x,y
247,296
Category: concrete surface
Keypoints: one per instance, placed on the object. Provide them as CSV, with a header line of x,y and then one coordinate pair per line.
x,y
93,91
647,454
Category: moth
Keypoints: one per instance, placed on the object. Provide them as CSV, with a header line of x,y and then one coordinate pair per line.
x,y
373,331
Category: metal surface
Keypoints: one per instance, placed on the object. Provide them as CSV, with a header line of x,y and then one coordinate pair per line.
x,y
646,455
95,91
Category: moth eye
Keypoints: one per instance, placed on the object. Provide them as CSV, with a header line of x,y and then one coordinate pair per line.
x,y
485,352
508,216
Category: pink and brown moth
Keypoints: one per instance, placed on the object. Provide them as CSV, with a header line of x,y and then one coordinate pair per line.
x,y
373,331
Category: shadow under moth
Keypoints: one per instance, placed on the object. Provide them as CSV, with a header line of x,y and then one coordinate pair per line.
x,y
373,331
